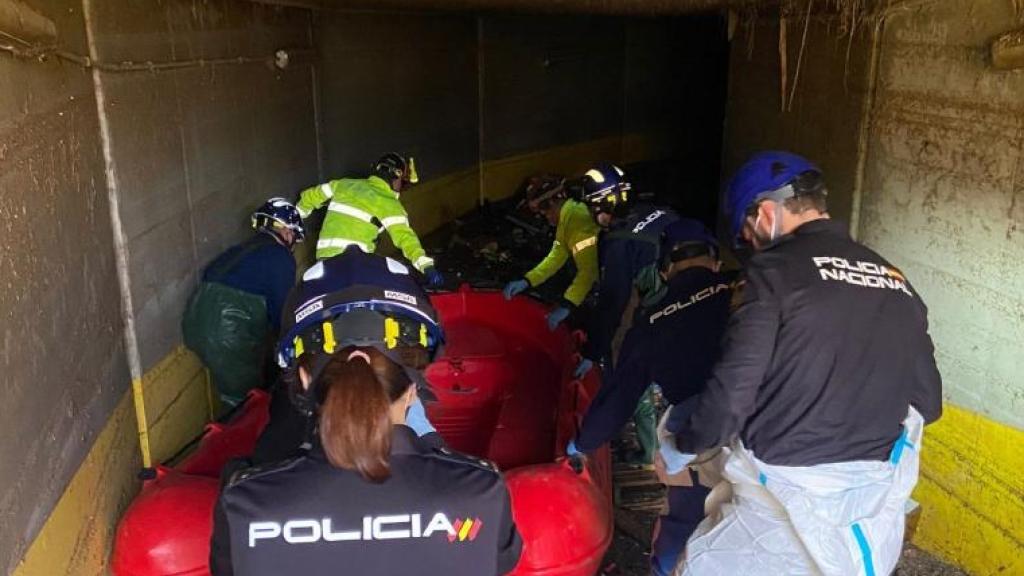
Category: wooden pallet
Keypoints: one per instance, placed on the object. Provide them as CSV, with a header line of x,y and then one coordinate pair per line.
x,y
637,490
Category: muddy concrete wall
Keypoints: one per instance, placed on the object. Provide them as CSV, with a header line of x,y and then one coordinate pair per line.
x,y
195,146
942,196
403,83
398,82
507,95
675,97
550,82
820,114
945,192
197,149
62,361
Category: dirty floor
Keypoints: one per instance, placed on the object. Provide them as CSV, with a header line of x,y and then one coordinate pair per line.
x,y
628,556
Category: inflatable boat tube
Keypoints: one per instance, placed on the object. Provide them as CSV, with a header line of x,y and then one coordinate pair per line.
x,y
505,392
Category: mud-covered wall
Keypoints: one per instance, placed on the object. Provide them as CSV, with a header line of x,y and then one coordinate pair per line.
x,y
494,98
195,143
676,83
941,156
197,149
944,198
820,114
404,83
62,361
945,192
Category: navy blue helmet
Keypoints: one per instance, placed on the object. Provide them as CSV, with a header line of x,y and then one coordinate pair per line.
x,y
278,213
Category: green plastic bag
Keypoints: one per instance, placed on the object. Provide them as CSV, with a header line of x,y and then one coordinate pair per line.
x,y
227,329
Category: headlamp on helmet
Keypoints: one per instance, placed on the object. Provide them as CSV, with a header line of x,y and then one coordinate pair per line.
x,y
606,190
392,166
356,299
359,324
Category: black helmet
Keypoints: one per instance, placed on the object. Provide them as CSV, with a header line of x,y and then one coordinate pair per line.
x,y
357,299
392,166
278,213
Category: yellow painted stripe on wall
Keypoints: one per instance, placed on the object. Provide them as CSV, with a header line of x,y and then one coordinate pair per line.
x,y
77,537
972,493
502,178
441,200
177,402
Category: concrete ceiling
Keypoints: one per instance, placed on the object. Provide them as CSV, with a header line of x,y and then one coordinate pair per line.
x,y
623,7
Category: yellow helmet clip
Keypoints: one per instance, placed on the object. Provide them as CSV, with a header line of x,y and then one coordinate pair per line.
x,y
391,332
414,178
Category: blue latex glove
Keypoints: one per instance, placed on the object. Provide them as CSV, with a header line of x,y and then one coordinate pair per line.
x,y
434,278
556,317
675,461
416,418
515,287
585,366
571,449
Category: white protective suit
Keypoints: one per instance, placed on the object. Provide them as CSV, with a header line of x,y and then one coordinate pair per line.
x,y
842,519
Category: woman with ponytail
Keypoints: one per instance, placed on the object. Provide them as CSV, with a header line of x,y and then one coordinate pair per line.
x,y
371,496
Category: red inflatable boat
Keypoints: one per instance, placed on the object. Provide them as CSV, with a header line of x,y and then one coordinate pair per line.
x,y
505,392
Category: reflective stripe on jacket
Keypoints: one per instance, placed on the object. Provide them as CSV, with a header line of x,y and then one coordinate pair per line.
x,y
358,210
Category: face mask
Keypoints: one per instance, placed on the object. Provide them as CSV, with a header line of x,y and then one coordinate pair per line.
x,y
773,232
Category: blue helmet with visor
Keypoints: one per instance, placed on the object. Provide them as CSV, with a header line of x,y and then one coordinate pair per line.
x,y
770,175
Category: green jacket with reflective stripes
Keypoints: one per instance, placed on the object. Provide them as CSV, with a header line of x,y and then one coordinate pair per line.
x,y
576,235
358,210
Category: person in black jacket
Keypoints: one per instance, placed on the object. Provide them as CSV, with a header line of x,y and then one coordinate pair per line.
x,y
628,256
370,496
826,362
674,343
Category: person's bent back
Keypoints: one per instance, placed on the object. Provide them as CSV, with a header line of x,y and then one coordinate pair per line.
x,y
826,380
371,497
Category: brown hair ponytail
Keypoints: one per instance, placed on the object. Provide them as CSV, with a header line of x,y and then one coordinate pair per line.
x,y
356,390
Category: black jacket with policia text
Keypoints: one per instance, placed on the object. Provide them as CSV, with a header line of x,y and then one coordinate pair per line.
x,y
438,513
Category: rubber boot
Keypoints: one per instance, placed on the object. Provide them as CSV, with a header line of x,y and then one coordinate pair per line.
x,y
646,419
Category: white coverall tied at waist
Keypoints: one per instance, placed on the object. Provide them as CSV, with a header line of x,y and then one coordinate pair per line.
x,y
842,519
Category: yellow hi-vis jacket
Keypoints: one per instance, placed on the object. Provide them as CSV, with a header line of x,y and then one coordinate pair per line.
x,y
576,235
359,210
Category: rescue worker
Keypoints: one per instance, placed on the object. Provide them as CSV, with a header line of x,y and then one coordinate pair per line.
x,y
575,235
370,496
291,425
628,258
673,343
826,379
237,306
358,210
